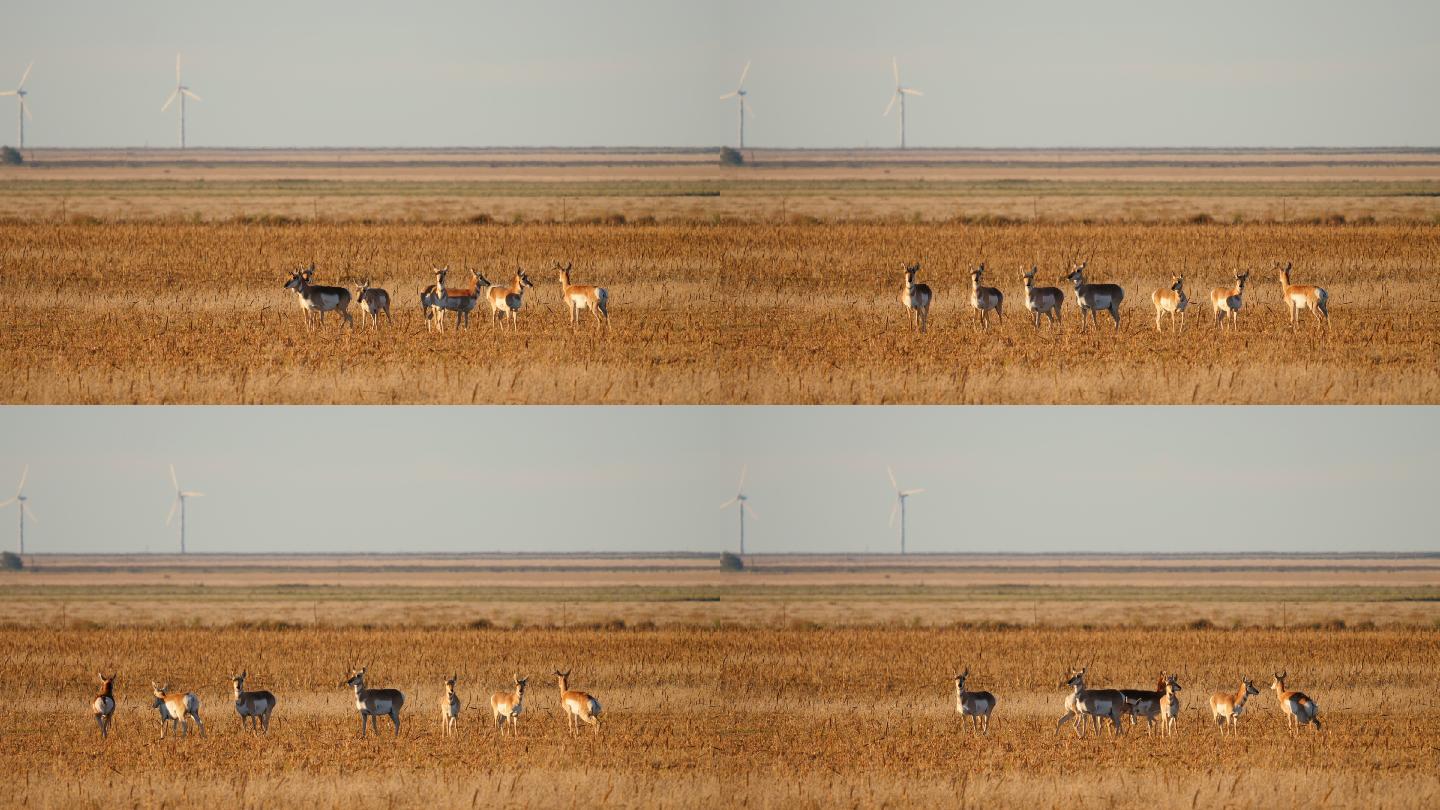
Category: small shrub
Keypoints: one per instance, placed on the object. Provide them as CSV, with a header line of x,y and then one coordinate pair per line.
x,y
1201,624
731,157
731,562
10,156
10,561
481,219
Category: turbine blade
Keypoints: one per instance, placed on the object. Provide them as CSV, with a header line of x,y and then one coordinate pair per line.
x,y
722,506
177,68
24,475
910,492
193,494
8,93
173,479
895,66
885,114
743,74
910,91
192,95
751,512
25,108
750,111
894,510
731,94
896,484
741,486
26,507
173,506
171,99
4,504
24,76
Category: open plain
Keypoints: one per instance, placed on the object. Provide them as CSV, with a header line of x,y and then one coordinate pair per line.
x,y
834,691
155,277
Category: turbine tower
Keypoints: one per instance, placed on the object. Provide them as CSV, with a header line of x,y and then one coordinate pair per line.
x,y
740,501
739,94
901,91
179,502
23,509
180,92
19,93
900,496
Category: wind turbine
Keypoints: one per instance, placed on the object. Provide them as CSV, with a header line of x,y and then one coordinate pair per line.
x,y
23,509
180,496
19,92
740,499
180,92
901,91
739,93
900,496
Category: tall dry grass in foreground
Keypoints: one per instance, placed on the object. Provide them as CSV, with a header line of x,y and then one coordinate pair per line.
x,y
739,717
166,312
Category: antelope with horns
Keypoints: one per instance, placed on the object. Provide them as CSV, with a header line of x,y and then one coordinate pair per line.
x,y
253,707
373,703
583,296
449,706
1171,302
177,710
1170,706
104,703
316,300
1304,296
1091,703
456,299
973,706
1091,298
373,301
1144,703
1299,709
1227,706
1042,300
505,302
916,298
984,299
578,705
1227,301
506,706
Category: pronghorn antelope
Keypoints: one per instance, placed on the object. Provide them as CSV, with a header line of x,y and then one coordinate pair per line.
x,y
1170,706
318,300
583,296
506,706
372,703
1144,703
916,298
1042,300
449,706
177,710
974,706
430,296
373,301
1227,706
1226,300
578,705
1172,302
984,299
1299,709
104,703
456,299
1092,704
1304,296
253,707
506,301
1091,298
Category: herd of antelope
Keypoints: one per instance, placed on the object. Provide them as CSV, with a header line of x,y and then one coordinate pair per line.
x,y
178,709
505,301
1092,299
1087,707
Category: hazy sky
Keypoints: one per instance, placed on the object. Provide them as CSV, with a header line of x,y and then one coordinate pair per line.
x,y
648,72
390,479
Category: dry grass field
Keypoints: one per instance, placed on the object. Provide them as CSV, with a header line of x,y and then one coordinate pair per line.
x,y
166,312
807,681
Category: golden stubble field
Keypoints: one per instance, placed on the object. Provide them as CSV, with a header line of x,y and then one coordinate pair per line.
x,y
168,312
748,717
